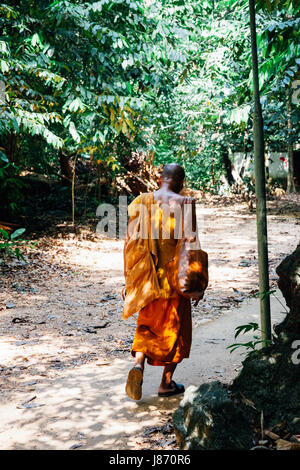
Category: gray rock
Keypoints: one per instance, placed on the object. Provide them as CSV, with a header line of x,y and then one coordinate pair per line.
x,y
270,376
10,305
207,418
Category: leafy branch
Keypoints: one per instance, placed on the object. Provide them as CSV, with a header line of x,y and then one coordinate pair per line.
x,y
250,345
10,246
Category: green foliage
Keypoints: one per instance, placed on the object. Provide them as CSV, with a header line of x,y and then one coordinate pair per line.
x,y
210,109
78,77
75,72
104,79
11,187
11,246
250,346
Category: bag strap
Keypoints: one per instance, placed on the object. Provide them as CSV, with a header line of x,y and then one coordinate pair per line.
x,y
185,210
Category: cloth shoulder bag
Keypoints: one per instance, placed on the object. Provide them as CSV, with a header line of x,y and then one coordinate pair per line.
x,y
187,272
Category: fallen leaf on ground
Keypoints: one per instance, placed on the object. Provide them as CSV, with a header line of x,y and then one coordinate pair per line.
x,y
281,444
272,435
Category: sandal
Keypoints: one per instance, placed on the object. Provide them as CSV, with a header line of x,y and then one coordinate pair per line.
x,y
178,388
134,383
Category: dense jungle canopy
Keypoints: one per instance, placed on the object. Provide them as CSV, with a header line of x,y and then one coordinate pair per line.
x,y
112,84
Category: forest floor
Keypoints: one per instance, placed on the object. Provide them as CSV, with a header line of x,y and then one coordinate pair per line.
x,y
65,350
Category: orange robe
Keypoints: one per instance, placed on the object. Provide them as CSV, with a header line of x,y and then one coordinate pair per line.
x,y
164,325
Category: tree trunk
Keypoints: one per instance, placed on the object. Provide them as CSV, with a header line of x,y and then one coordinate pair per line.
x,y
98,188
260,190
212,172
73,194
290,177
267,163
66,166
227,165
11,148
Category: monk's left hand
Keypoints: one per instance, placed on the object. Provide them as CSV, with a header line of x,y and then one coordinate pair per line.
x,y
197,299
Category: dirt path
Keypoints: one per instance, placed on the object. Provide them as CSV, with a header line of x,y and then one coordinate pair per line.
x,y
64,351
87,407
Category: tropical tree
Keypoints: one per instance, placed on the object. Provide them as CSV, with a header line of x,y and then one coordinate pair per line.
x,y
75,78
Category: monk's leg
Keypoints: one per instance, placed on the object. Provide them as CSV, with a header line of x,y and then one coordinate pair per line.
x,y
139,359
166,380
135,377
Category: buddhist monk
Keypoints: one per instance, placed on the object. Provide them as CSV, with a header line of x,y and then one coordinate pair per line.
x,y
164,327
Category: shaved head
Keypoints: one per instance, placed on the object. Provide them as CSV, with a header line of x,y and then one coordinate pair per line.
x,y
174,172
173,175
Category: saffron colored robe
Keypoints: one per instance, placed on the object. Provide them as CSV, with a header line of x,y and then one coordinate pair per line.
x,y
164,325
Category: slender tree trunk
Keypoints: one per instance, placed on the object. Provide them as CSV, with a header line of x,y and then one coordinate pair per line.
x,y
290,177
11,148
212,171
260,190
227,165
98,188
267,162
66,166
73,194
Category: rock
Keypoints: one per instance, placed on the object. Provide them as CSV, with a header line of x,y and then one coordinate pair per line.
x,y
270,377
108,297
10,305
30,405
75,446
207,418
89,329
289,284
20,320
245,264
101,325
273,386
18,287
